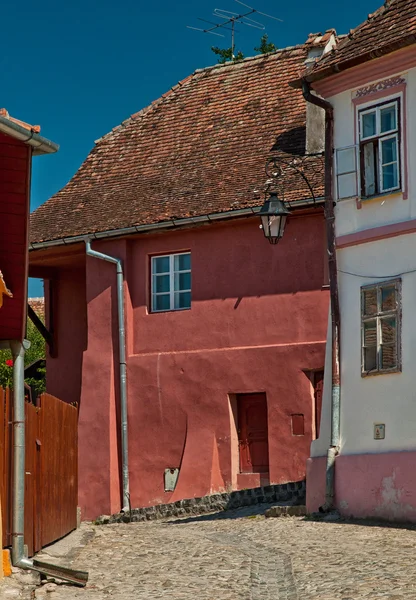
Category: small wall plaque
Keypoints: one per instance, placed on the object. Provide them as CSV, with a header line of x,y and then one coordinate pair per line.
x,y
171,477
379,431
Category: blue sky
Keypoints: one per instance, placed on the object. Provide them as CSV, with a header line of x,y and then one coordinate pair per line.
x,y
79,68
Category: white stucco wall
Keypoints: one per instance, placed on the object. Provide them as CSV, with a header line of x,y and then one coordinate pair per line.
x,y
389,399
320,446
387,209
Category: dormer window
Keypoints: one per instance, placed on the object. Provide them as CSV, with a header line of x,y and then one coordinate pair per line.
x,y
380,149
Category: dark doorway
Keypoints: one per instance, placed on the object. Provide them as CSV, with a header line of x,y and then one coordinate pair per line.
x,y
252,433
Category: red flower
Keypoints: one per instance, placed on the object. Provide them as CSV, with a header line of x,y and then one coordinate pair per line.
x,y
9,363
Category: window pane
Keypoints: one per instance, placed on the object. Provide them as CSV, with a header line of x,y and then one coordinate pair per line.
x,y
390,176
388,330
388,119
388,356
161,264
346,160
370,359
183,300
369,170
161,302
369,124
182,262
161,283
370,333
370,302
347,185
389,150
182,281
388,299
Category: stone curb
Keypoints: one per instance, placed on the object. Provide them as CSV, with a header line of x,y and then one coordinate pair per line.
x,y
293,493
286,511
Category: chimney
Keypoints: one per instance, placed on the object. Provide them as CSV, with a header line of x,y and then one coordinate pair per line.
x,y
317,45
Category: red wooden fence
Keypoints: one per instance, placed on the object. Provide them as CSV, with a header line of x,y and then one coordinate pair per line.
x,y
51,479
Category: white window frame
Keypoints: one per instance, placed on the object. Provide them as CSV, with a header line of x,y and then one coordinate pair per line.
x,y
171,274
379,137
378,318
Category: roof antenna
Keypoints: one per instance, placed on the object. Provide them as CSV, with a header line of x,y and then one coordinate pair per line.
x,y
230,19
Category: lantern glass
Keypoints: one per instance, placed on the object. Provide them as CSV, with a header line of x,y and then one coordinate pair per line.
x,y
273,215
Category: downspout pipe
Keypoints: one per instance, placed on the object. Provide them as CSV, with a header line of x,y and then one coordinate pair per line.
x,y
333,288
18,515
123,369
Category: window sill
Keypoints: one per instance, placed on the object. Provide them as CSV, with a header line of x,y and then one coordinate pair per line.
x,y
383,196
168,310
376,373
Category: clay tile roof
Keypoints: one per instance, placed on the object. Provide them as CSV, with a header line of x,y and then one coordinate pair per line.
x,y
389,28
34,128
319,39
199,149
38,305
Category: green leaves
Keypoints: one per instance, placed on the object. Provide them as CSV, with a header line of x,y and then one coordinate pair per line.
x,y
265,46
226,54
36,350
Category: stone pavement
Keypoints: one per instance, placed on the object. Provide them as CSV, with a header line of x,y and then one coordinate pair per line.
x,y
237,555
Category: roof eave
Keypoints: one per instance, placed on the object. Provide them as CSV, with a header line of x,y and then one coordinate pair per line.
x,y
165,225
336,68
39,144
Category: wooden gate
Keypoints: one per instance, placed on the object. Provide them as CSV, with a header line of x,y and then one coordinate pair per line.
x,y
51,469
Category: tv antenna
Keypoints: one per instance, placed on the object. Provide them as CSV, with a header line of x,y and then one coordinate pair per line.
x,y
230,19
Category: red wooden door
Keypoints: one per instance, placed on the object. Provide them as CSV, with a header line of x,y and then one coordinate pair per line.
x,y
252,433
319,388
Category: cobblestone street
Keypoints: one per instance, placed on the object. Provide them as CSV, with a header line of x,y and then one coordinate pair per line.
x,y
230,557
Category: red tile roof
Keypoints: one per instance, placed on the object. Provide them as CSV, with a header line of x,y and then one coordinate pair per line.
x,y
391,27
34,128
199,149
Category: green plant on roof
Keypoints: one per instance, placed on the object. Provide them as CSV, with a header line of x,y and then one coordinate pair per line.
x,y
226,54
265,46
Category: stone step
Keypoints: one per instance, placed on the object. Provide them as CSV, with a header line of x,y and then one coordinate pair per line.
x,y
286,511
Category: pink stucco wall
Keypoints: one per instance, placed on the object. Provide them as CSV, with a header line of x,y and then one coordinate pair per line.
x,y
70,321
257,323
380,486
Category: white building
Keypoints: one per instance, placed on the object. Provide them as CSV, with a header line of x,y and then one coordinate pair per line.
x,y
370,80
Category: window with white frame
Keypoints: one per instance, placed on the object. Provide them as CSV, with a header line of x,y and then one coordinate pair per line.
x,y
171,282
380,327
379,149
372,166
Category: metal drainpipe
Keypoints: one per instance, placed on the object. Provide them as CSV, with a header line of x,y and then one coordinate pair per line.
x,y
333,287
18,518
123,369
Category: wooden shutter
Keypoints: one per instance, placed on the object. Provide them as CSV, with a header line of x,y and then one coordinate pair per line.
x,y
346,168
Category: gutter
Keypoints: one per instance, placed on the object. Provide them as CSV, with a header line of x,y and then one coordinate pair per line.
x,y
122,370
39,144
171,224
333,288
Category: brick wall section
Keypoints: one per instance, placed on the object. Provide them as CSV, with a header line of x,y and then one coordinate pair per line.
x,y
292,493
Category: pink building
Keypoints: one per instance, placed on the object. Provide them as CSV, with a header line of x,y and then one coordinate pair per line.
x,y
225,333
